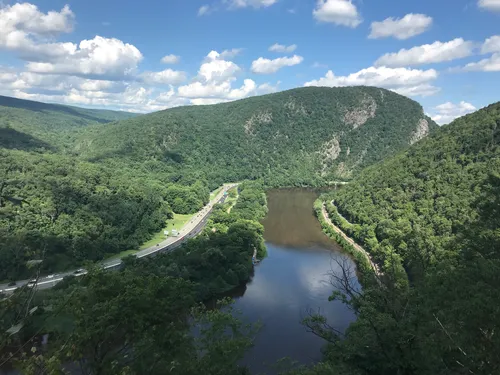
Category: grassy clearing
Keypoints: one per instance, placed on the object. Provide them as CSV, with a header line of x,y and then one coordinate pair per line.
x,y
176,223
214,193
232,200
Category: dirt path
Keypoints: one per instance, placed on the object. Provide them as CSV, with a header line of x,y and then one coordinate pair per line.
x,y
351,241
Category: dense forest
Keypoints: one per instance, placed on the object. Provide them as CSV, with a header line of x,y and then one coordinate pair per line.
x,y
25,124
75,186
82,188
146,317
430,218
305,136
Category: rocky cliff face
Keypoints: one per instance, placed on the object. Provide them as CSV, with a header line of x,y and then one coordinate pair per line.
x,y
311,133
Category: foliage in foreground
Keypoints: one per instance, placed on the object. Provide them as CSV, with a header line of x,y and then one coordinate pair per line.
x,y
145,318
433,212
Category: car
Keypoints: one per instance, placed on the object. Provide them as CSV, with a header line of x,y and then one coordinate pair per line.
x,y
50,276
12,283
31,283
79,271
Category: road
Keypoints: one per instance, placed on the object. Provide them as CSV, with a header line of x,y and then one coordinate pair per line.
x,y
190,230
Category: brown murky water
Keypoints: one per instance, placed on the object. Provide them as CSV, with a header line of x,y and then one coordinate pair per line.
x,y
292,279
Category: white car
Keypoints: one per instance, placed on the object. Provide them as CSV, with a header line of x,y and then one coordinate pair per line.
x,y
50,276
31,283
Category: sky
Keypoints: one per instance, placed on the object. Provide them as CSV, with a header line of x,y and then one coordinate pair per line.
x,y
144,56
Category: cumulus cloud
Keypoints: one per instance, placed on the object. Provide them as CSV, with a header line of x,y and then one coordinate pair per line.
x,y
491,64
250,3
339,12
104,57
171,59
401,28
267,88
282,48
267,66
492,5
428,53
405,81
25,31
165,77
447,112
214,82
491,45
24,19
217,69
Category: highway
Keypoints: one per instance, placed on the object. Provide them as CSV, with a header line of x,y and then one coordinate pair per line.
x,y
190,230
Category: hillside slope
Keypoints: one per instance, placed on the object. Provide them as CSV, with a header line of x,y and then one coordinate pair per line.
x,y
416,203
26,124
298,136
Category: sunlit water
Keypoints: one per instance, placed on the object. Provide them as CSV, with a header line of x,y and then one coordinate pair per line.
x,y
291,281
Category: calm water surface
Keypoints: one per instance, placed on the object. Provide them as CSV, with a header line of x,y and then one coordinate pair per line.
x,y
291,280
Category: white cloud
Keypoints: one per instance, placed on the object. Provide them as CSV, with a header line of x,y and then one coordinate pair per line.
x,y
214,81
401,28
267,88
402,80
339,12
282,48
419,90
428,53
171,59
267,66
447,112
491,45
204,10
103,57
26,19
165,77
207,101
230,53
25,31
491,64
492,5
250,3
216,69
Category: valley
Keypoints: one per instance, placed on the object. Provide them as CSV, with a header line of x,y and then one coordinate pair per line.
x,y
377,282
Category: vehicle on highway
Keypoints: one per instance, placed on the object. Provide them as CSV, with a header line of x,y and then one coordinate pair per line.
x,y
12,283
31,283
79,271
50,276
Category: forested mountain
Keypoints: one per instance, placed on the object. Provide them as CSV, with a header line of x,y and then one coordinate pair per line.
x,y
416,203
26,124
430,218
72,191
301,136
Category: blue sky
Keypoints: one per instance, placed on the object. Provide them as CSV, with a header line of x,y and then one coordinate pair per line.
x,y
108,54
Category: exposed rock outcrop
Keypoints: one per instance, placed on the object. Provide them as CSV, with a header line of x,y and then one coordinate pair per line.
x,y
421,132
359,115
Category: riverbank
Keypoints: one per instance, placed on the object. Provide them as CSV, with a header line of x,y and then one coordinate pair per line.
x,y
363,259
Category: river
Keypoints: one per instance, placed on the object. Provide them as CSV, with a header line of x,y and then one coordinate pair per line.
x,y
291,280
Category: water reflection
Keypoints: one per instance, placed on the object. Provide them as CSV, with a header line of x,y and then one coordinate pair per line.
x,y
293,279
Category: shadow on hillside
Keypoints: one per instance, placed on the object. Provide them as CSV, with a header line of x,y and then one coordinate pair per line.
x,y
13,139
41,107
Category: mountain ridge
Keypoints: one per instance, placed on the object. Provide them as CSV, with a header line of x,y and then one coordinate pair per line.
x,y
298,135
